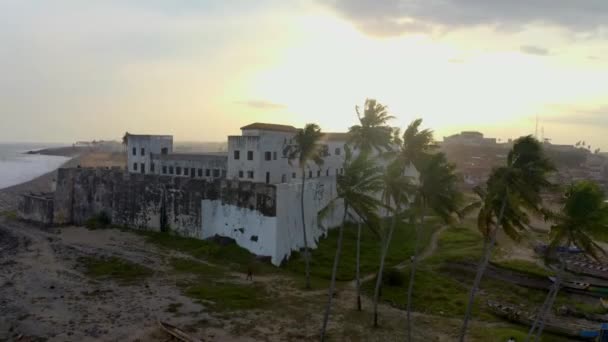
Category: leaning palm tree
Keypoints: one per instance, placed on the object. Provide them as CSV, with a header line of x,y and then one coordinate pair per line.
x,y
584,213
357,187
435,193
511,193
125,140
307,148
410,150
396,188
372,133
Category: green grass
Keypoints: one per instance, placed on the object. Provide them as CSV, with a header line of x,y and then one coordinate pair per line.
x,y
115,268
225,296
501,334
10,214
183,265
525,266
173,307
434,293
458,244
401,249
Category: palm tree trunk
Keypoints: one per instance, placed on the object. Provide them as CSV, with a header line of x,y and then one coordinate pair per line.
x,y
334,272
410,288
542,315
383,253
489,246
306,252
358,273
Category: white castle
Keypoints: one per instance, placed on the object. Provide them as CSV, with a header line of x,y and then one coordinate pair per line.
x,y
258,156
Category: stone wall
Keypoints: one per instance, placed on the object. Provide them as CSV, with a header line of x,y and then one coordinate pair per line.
x,y
151,201
36,208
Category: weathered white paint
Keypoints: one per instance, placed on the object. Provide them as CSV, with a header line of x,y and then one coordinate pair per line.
x,y
151,144
207,166
249,228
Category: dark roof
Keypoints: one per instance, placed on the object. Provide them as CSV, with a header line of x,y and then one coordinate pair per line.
x,y
270,127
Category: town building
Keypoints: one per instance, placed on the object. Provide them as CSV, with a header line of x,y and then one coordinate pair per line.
x,y
469,138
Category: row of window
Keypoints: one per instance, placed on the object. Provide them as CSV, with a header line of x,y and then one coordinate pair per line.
x,y
163,150
250,174
310,173
178,170
268,155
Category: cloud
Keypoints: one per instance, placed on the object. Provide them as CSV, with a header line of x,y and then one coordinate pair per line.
x,y
261,104
534,50
396,17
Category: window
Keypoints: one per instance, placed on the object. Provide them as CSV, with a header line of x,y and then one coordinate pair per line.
x,y
135,166
284,178
341,171
185,171
170,170
267,156
164,170
207,172
216,173
142,168
274,156
241,174
338,151
200,172
327,172
164,150
237,155
250,174
134,151
151,167
309,174
224,173
249,155
143,151
178,170
293,175
267,177
318,173
192,172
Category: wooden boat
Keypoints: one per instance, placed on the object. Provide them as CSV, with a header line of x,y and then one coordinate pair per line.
x,y
593,269
553,325
176,332
572,284
604,303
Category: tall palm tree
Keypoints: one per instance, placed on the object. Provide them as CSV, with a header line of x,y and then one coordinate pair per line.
x,y
306,149
410,150
357,187
395,196
125,140
511,193
372,133
583,214
436,192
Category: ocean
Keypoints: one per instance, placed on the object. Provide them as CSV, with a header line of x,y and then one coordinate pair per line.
x,y
17,167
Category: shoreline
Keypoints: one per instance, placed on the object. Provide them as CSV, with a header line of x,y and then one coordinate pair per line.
x,y
9,196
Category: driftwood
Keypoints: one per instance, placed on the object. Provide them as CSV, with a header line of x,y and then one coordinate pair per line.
x,y
176,332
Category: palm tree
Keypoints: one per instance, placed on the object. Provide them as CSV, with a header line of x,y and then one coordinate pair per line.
x,y
436,192
511,193
411,149
357,187
306,148
125,140
372,133
583,213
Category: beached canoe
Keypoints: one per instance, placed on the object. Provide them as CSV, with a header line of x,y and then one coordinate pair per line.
x,y
176,332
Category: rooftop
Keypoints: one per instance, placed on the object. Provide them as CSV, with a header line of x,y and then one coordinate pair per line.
x,y
270,127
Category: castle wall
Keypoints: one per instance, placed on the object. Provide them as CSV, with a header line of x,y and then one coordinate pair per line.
x,y
36,208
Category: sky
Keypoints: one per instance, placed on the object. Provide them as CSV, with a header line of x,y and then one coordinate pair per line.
x,y
81,70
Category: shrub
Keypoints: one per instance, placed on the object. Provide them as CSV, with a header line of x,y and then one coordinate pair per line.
x,y
101,220
393,277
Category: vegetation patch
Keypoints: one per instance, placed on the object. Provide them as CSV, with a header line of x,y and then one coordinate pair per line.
x,y
402,247
115,268
225,296
173,307
458,244
9,214
190,266
99,221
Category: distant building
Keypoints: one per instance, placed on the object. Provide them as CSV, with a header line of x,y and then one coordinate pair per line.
x,y
469,138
